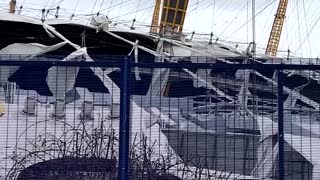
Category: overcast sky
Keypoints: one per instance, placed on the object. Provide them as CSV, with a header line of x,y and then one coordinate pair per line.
x,y
230,20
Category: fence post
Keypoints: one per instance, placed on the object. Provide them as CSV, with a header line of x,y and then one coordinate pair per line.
x,y
280,126
123,168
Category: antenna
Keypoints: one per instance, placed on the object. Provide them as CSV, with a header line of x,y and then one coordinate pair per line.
x,y
12,6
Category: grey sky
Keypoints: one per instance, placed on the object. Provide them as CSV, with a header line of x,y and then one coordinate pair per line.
x,y
227,19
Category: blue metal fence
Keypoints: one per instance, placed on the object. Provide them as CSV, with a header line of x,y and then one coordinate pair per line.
x,y
177,120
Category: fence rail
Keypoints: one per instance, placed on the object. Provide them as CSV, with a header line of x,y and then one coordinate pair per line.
x,y
141,120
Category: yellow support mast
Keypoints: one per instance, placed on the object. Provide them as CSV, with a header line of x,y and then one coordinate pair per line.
x,y
12,6
155,19
277,27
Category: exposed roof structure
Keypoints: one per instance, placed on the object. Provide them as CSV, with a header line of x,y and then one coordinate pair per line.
x,y
32,39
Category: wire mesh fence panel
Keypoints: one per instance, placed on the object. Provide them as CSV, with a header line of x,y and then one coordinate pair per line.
x,y
301,124
215,121
193,118
193,123
59,121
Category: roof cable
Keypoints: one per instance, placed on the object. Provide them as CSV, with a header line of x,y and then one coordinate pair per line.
x,y
48,11
100,8
72,16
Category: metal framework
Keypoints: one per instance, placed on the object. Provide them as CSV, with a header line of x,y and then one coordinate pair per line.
x,y
277,27
173,16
